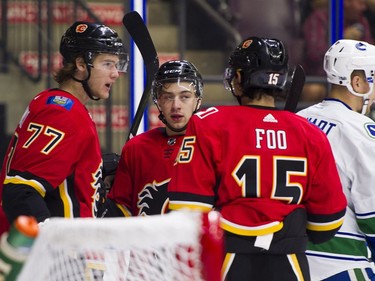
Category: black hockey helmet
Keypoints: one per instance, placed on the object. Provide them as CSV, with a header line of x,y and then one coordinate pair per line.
x,y
85,38
177,71
263,63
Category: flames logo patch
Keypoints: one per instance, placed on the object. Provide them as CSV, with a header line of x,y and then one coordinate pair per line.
x,y
246,44
153,198
81,28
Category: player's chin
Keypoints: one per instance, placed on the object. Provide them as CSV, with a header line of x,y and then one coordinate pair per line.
x,y
178,126
103,95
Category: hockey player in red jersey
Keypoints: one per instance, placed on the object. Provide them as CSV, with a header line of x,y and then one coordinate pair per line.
x,y
144,170
269,172
53,166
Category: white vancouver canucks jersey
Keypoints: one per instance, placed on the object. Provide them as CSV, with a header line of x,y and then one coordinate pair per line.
x,y
352,138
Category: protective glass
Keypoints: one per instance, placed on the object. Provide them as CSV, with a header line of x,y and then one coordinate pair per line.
x,y
121,65
170,91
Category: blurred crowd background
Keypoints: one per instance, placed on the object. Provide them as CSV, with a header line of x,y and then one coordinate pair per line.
x,y
202,31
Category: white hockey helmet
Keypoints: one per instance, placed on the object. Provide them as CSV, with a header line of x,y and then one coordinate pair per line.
x,y
343,58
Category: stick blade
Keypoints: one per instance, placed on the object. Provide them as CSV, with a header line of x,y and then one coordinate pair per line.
x,y
137,29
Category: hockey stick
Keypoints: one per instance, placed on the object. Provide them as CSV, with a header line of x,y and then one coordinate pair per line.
x,y
141,37
295,90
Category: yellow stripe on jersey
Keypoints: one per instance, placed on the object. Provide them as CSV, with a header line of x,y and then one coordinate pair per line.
x,y
295,266
196,206
324,226
67,202
32,183
124,210
250,230
229,257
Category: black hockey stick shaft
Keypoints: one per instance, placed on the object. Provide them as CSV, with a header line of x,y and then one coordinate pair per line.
x,y
137,29
295,90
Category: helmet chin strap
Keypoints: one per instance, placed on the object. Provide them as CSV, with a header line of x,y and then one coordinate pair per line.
x,y
232,91
365,96
85,83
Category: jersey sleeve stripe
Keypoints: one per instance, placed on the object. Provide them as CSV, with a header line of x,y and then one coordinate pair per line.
x,y
251,230
124,210
32,183
313,226
66,200
196,206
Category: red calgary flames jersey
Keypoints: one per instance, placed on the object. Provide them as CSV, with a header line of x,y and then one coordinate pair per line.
x,y
55,150
144,171
257,165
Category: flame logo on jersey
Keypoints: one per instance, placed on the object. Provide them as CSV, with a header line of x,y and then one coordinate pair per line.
x,y
153,198
81,28
98,186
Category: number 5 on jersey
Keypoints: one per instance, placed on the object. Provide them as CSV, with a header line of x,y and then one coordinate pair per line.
x,y
187,150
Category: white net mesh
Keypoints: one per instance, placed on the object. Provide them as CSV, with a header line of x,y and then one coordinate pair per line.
x,y
163,247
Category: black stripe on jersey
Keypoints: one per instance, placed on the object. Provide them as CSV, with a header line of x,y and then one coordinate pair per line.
x,y
29,176
325,218
317,235
63,200
184,196
289,240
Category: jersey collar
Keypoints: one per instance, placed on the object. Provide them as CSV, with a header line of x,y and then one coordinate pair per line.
x,y
337,100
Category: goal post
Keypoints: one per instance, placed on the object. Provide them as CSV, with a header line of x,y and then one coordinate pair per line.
x,y
177,246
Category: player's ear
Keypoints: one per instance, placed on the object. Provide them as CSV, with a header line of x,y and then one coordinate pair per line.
x,y
358,82
80,64
238,76
199,103
237,83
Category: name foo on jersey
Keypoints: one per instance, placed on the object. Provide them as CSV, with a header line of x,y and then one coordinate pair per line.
x,y
269,138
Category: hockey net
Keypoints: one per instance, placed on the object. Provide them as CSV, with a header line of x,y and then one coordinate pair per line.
x,y
177,246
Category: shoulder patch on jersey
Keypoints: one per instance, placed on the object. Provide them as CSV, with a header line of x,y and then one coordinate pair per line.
x,y
61,101
370,129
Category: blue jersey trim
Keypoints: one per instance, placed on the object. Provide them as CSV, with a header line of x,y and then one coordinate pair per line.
x,y
333,99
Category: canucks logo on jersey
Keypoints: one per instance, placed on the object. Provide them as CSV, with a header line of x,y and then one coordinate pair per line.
x,y
370,129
